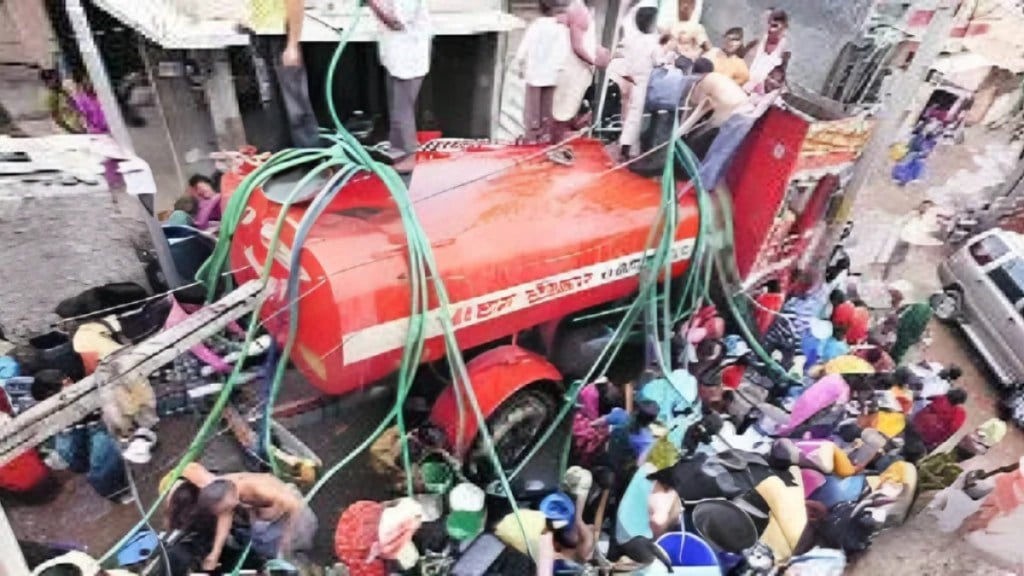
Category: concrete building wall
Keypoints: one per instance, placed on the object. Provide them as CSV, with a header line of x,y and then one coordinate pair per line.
x,y
83,236
818,29
26,36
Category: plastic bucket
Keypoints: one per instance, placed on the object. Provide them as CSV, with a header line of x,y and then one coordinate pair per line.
x,y
724,526
437,476
189,250
690,555
424,136
55,351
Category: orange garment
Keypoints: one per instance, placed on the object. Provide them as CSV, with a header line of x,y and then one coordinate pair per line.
x,y
732,66
905,399
768,306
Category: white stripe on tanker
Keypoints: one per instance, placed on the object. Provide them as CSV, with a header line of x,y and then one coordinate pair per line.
x,y
382,338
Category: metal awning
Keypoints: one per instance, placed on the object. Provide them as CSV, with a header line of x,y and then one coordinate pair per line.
x,y
166,24
325,28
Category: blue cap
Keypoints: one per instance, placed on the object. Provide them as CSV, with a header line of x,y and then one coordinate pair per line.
x,y
559,509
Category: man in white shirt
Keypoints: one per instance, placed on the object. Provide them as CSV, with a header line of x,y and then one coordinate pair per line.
x,y
405,52
673,12
770,52
539,59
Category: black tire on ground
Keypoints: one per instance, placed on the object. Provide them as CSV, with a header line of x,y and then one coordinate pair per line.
x,y
947,305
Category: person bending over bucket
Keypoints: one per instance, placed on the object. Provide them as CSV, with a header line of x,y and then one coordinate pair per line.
x,y
282,523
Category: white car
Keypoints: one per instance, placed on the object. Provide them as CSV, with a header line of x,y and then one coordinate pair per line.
x,y
983,292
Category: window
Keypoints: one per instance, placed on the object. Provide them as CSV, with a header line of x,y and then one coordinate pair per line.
x,y
1009,278
988,250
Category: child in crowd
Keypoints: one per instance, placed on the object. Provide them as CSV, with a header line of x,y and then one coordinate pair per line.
x,y
642,49
185,209
541,55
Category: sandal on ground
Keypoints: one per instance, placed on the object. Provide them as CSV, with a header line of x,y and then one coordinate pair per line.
x,y
140,448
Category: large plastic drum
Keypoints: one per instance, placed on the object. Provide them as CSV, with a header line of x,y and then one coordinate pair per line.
x,y
724,525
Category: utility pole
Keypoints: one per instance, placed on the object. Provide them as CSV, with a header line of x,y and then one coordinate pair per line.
x,y
98,73
904,89
12,562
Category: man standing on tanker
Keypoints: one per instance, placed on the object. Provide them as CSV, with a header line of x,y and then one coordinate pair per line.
x,y
405,53
288,16
577,73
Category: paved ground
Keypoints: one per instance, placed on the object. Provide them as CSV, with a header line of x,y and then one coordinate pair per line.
x,y
957,176
916,548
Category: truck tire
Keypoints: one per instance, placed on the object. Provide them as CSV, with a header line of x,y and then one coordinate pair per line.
x,y
515,427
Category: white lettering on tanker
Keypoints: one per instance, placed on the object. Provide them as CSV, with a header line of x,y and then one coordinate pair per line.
x,y
390,336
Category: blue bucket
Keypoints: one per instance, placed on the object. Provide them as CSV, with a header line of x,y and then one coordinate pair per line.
x,y
138,549
690,555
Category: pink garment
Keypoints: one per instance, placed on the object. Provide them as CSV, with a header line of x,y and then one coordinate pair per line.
x,y
590,400
209,211
588,440
812,481
89,106
206,355
1009,492
398,525
828,391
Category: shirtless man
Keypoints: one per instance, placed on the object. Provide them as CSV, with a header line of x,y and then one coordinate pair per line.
x,y
732,112
282,523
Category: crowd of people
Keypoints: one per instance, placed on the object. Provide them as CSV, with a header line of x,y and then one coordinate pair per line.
x,y
657,63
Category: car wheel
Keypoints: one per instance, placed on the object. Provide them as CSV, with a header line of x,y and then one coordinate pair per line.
x,y
946,305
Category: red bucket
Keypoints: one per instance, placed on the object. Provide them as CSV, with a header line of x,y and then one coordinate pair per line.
x,y
426,136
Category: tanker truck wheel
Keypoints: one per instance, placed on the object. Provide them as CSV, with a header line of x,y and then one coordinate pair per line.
x,y
515,427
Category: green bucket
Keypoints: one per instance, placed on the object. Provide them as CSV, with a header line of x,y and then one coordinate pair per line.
x,y
437,476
